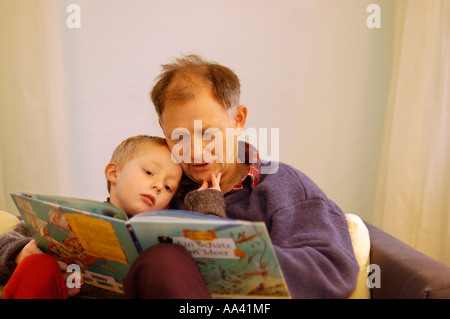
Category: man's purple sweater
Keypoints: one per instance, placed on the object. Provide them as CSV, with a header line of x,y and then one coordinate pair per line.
x,y
309,232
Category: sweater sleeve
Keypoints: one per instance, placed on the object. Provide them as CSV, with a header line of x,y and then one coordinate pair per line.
x,y
11,243
314,250
312,241
207,201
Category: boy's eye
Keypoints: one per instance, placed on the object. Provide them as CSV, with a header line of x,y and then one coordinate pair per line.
x,y
167,187
148,173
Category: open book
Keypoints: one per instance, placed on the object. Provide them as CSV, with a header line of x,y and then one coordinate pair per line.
x,y
235,257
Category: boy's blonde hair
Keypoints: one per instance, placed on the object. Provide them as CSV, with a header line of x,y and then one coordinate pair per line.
x,y
225,85
129,148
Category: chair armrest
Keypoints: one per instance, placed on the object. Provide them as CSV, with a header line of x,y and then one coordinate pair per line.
x,y
404,271
7,221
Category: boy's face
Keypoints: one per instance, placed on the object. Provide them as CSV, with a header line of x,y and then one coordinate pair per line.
x,y
146,182
214,121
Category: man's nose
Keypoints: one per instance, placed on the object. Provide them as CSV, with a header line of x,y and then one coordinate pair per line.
x,y
197,149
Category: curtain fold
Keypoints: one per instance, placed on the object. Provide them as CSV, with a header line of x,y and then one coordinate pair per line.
x,y
413,191
34,127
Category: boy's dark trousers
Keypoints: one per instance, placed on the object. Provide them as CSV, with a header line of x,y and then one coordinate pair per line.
x,y
165,271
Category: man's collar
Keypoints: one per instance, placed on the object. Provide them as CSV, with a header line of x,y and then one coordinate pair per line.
x,y
249,155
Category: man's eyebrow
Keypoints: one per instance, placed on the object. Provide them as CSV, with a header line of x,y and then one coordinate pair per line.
x,y
210,126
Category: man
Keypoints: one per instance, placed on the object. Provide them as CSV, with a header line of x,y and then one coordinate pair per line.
x,y
198,107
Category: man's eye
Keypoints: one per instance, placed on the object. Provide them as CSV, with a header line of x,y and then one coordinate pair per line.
x,y
210,132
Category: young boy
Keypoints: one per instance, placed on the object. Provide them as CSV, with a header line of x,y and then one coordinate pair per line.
x,y
140,177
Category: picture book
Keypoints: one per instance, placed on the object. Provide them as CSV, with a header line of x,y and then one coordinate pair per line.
x,y
235,257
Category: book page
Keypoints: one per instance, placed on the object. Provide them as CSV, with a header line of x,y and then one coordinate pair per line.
x,y
97,237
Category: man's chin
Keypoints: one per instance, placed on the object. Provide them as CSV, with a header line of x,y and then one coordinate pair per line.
x,y
199,177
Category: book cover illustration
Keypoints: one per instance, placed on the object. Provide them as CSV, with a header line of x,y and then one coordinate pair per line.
x,y
236,258
77,236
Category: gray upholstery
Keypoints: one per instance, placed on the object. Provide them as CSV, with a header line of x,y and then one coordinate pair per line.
x,y
406,272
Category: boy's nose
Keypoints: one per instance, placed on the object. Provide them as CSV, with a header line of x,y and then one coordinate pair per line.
x,y
157,189
156,186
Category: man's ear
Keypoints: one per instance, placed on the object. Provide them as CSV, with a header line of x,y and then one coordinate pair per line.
x,y
239,119
161,125
111,172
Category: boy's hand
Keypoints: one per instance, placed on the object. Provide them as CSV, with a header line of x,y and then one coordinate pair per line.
x,y
32,248
215,182
29,249
70,291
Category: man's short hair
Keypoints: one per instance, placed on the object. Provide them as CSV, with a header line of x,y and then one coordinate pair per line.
x,y
188,74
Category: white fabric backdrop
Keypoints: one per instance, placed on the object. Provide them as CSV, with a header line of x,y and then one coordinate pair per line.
x,y
34,149
413,198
